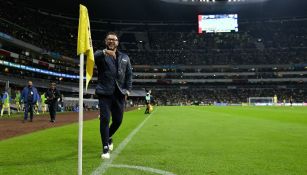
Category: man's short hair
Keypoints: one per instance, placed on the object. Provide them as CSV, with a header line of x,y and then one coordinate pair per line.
x,y
112,33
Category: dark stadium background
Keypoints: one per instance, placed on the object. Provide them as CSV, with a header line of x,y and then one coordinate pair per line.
x,y
267,56
160,11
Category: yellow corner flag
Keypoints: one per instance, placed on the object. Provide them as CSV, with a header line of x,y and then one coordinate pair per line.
x,y
85,43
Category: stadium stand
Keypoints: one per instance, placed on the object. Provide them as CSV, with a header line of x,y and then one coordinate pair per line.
x,y
266,56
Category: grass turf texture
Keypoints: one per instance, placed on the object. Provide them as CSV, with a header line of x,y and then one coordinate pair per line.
x,y
182,140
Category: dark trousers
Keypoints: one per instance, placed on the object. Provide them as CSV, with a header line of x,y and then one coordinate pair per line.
x,y
52,110
28,108
110,105
147,108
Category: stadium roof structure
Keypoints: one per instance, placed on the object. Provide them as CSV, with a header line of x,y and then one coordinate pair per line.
x,y
171,10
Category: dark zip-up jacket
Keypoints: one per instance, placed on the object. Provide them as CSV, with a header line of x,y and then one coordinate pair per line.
x,y
52,96
110,77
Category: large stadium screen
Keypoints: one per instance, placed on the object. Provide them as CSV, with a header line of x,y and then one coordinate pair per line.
x,y
218,23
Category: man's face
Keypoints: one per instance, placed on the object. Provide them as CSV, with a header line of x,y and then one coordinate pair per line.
x,y
111,42
52,86
30,83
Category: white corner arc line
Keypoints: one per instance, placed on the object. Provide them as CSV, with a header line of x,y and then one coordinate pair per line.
x,y
142,168
106,163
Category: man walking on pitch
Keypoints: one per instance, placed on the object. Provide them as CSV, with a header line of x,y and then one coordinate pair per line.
x,y
29,97
114,85
53,96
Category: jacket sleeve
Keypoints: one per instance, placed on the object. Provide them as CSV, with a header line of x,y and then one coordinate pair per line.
x,y
58,94
128,76
36,95
97,56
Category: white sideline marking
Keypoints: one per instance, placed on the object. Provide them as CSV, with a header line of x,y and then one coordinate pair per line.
x,y
107,162
142,168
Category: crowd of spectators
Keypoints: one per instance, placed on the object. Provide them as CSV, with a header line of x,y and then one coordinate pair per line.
x,y
28,61
258,42
281,41
30,25
278,45
231,96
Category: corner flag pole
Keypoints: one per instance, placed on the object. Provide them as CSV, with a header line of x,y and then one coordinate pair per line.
x,y
84,47
80,137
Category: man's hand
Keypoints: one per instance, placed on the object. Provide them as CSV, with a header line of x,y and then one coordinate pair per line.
x,y
127,94
109,53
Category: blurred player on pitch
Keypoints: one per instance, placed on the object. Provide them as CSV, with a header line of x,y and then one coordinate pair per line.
x,y
275,100
147,102
6,103
17,101
43,103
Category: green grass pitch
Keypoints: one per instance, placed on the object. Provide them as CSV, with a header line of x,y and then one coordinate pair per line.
x,y
182,140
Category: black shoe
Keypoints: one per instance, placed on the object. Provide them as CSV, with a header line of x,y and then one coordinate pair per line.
x,y
31,120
